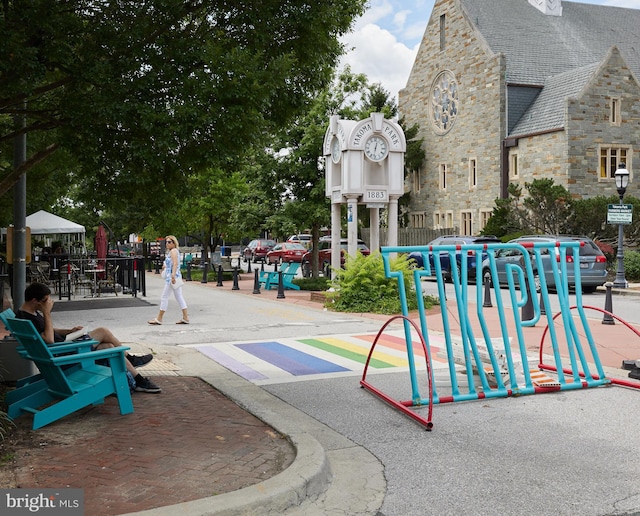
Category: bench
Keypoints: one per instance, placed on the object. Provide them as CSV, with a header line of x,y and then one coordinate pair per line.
x,y
271,279
68,382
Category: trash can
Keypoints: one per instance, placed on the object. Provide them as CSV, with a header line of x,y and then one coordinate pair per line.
x,y
14,366
225,250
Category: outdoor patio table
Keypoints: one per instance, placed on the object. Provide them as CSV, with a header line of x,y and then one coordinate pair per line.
x,y
94,283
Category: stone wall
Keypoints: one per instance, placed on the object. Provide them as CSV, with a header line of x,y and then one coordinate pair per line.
x,y
478,130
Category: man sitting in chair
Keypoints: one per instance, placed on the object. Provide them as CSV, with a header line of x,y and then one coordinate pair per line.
x,y
37,308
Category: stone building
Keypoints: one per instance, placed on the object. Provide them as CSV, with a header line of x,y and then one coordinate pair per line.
x,y
508,91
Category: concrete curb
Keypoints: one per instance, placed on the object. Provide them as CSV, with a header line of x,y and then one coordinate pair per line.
x,y
324,458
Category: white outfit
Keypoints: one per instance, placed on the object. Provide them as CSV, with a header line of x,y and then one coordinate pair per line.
x,y
164,298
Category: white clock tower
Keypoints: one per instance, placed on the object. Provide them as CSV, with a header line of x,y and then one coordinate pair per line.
x,y
364,164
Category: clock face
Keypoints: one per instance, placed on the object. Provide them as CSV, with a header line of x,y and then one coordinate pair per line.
x,y
336,151
376,148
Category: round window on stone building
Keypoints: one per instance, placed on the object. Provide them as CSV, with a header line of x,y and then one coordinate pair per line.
x,y
443,107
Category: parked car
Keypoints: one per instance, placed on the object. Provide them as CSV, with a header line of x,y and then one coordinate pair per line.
x,y
445,262
257,249
324,254
593,263
304,239
286,252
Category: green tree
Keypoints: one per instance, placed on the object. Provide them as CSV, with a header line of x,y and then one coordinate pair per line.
x,y
141,94
547,208
414,159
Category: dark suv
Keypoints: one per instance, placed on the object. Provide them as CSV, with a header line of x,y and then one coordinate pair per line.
x,y
445,262
258,249
593,263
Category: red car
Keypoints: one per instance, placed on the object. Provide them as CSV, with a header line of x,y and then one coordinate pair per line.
x,y
286,252
324,254
257,249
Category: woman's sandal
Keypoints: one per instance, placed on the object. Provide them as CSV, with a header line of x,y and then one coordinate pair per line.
x,y
155,322
182,321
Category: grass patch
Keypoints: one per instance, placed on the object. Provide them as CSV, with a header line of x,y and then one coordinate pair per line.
x,y
6,458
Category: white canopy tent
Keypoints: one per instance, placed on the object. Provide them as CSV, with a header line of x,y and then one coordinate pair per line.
x,y
51,228
45,223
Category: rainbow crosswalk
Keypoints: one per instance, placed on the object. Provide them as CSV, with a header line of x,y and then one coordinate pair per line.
x,y
296,359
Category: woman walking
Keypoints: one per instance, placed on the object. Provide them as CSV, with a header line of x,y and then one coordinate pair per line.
x,y
173,281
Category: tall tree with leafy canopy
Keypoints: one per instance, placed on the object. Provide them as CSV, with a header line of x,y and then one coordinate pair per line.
x,y
141,94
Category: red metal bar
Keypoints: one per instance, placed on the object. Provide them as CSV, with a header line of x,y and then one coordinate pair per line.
x,y
394,403
615,381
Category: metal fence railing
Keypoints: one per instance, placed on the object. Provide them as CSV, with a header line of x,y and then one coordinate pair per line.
x,y
69,275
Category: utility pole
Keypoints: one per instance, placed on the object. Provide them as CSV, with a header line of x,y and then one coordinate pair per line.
x,y
19,212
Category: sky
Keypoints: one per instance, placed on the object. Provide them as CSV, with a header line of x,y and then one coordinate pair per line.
x,y
385,39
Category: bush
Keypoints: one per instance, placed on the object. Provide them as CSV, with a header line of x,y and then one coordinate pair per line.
x,y
212,275
608,251
314,284
632,265
363,287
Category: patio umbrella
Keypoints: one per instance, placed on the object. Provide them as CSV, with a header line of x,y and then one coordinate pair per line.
x,y
100,243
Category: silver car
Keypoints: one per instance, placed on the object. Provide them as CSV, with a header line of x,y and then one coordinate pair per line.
x,y
593,263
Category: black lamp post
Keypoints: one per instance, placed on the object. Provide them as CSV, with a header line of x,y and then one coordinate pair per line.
x,y
622,181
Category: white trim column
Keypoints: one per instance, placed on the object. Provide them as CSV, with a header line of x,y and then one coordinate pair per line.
x,y
374,226
335,238
352,225
392,233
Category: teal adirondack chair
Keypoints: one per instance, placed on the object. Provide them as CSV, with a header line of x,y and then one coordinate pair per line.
x,y
270,279
30,384
4,315
68,390
289,271
289,274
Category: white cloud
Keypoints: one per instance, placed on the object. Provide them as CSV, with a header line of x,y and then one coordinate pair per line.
x,y
377,10
380,56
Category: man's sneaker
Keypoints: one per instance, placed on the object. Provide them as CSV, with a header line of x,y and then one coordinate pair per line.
x,y
146,385
139,360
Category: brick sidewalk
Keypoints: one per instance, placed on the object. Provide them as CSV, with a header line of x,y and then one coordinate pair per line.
x,y
187,443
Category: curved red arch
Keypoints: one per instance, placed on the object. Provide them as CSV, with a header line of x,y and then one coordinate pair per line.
x,y
402,406
615,381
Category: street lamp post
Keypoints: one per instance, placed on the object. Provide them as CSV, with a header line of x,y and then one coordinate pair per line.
x,y
622,181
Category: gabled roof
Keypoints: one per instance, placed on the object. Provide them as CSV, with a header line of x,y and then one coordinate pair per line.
x,y
547,111
538,46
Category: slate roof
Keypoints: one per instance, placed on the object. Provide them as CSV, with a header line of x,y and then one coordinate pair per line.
x,y
547,111
560,53
538,46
